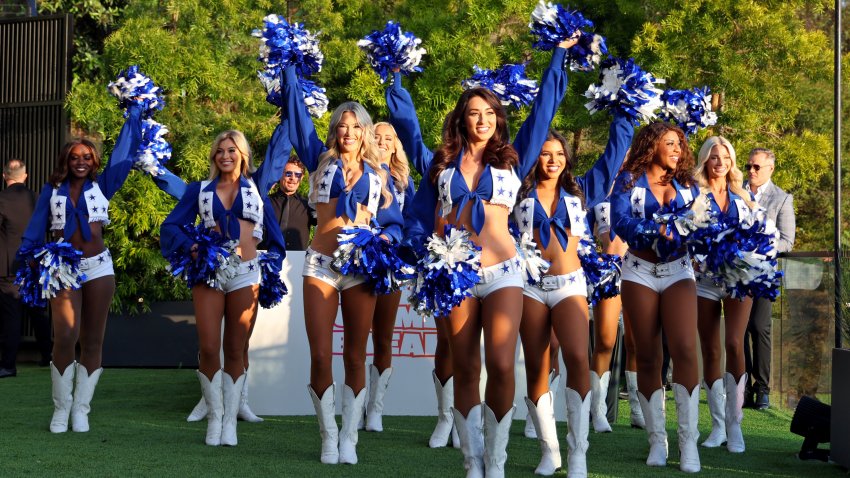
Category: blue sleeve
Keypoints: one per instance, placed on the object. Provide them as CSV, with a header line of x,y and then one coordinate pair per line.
x,y
37,227
172,238
596,183
409,193
273,237
121,159
419,215
390,220
171,184
301,131
277,155
531,136
406,123
638,233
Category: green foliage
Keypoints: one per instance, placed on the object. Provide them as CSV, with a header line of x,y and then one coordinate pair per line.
x,y
767,62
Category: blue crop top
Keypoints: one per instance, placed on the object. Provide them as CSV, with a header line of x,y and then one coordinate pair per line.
x,y
595,184
632,210
497,186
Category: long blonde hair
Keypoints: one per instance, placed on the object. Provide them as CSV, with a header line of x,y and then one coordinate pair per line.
x,y
399,167
246,166
369,152
734,177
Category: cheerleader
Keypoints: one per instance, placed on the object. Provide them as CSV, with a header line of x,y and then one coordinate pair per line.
x,y
552,212
720,179
477,167
394,163
658,289
349,189
73,207
606,315
230,204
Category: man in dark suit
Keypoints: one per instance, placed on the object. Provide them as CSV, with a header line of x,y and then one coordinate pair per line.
x,y
780,210
16,206
291,209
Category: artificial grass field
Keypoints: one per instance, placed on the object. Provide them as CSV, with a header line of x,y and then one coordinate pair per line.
x,y
138,428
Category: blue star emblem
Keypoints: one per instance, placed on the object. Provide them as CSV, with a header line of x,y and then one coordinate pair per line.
x,y
326,173
248,193
637,201
510,194
250,267
444,198
602,209
505,268
58,216
320,260
101,259
572,279
323,185
250,205
206,201
635,264
525,222
683,262
91,197
500,178
516,262
375,196
207,213
524,208
443,185
58,203
501,192
575,203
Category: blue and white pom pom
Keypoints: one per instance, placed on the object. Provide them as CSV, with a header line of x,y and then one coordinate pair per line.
x,y
601,270
272,288
507,82
447,273
362,251
587,54
531,258
216,261
154,150
392,48
314,95
552,24
626,88
679,222
689,109
284,44
47,269
134,87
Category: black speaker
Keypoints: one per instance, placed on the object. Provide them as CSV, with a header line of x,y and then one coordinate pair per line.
x,y
812,422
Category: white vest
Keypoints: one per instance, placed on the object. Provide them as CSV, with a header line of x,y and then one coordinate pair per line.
x,y
252,206
524,215
324,195
96,204
504,191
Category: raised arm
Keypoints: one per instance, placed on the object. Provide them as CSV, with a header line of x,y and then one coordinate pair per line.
x,y
406,123
277,155
596,183
301,131
531,136
172,238
121,159
172,184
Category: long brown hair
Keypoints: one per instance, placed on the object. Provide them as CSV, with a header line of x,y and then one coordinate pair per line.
x,y
499,152
645,147
565,180
60,170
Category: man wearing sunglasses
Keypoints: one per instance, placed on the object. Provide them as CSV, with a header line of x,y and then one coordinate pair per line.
x,y
291,209
780,209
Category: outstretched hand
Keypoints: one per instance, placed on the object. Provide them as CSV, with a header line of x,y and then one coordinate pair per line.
x,y
570,42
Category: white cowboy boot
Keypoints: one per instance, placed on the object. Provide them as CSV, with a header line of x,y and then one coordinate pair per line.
x,y
496,434
471,435
636,415
326,414
83,393
378,383
445,420
716,397
211,390
655,415
199,412
63,398
687,409
543,418
578,418
232,395
245,412
352,410
734,412
598,407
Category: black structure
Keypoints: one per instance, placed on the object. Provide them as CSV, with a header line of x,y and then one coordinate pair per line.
x,y
35,76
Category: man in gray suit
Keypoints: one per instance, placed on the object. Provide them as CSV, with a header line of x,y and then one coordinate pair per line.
x,y
780,209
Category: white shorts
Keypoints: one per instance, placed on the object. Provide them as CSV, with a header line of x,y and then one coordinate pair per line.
x,y
499,276
318,266
707,290
97,266
247,275
657,277
553,289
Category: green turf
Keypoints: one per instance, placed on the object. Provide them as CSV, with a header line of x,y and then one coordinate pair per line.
x,y
138,428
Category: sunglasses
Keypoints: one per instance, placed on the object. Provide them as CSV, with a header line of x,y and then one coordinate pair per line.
x,y
290,174
753,166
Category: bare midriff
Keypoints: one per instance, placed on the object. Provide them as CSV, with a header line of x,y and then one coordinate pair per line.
x,y
247,248
328,225
91,247
560,261
497,244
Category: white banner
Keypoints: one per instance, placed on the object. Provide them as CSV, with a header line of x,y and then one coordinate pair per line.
x,y
280,359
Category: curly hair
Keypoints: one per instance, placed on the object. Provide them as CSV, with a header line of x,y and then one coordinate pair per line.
x,y
60,170
565,180
498,153
644,151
